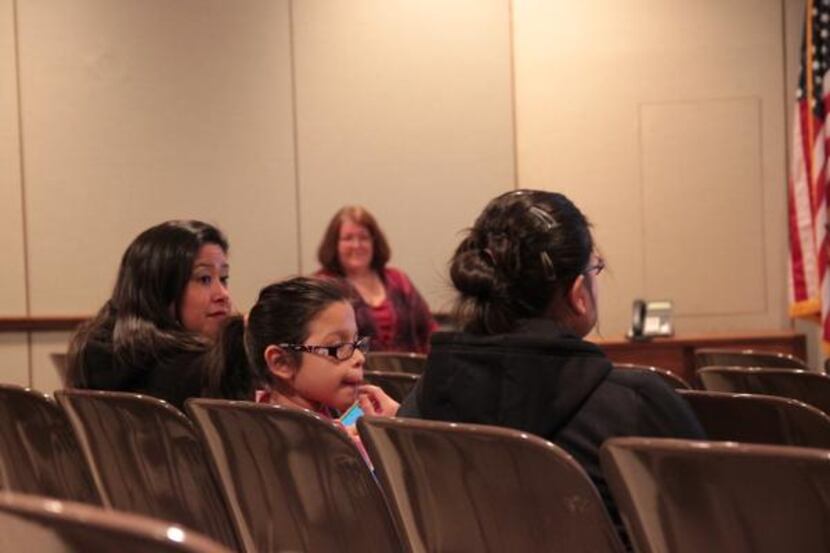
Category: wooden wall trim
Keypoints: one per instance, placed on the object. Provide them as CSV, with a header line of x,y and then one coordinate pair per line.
x,y
28,324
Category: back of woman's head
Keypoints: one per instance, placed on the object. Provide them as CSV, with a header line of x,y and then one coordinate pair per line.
x,y
520,258
327,252
281,315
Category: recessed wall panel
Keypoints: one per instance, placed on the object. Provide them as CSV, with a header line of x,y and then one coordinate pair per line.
x,y
404,107
703,206
140,111
583,72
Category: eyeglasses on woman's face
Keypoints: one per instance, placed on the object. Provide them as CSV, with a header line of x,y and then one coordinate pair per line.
x,y
596,267
341,351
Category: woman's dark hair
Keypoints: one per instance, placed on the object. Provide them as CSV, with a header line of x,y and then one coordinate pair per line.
x,y
141,321
281,315
327,252
522,255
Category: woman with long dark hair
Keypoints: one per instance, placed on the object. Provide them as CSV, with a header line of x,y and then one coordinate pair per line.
x,y
155,333
527,281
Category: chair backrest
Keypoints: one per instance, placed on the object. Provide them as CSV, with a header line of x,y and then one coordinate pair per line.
x,y
30,523
397,385
756,418
668,376
465,487
397,362
684,496
146,458
809,387
720,357
38,451
294,481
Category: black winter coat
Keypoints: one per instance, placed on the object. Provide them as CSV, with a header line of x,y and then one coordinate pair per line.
x,y
557,386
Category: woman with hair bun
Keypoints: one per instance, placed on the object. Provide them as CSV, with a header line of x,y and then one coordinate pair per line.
x,y
388,306
155,333
526,276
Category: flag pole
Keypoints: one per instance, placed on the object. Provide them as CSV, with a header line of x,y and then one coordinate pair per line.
x,y
808,85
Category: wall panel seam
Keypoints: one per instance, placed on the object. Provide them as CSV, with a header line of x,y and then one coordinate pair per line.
x,y
292,59
513,122
641,166
22,173
763,207
22,165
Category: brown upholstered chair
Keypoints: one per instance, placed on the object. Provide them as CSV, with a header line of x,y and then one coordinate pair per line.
x,y
760,419
38,451
684,496
37,524
389,361
807,386
464,487
293,480
719,357
397,385
668,376
146,458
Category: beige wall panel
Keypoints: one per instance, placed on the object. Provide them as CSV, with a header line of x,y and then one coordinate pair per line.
x,y
14,358
45,376
12,277
404,107
583,72
702,203
139,111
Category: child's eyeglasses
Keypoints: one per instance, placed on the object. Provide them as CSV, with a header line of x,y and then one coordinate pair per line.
x,y
341,352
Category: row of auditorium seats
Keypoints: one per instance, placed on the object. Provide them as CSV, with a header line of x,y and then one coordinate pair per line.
x,y
704,357
387,369
147,458
263,478
397,372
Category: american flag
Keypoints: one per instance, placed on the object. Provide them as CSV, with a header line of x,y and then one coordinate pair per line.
x,y
808,198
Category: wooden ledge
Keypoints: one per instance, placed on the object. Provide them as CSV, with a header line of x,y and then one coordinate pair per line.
x,y
28,324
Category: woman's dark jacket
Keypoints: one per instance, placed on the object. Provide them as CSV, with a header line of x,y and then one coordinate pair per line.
x,y
556,386
173,376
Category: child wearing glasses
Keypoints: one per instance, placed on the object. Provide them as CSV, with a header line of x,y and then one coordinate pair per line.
x,y
301,343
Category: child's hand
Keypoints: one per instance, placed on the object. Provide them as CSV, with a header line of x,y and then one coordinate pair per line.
x,y
374,401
